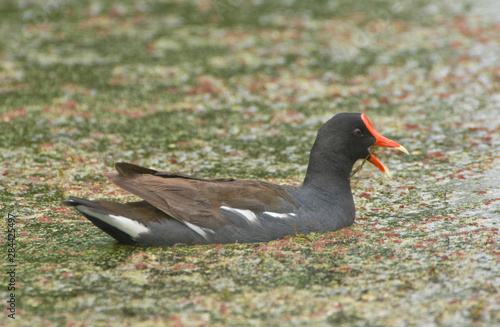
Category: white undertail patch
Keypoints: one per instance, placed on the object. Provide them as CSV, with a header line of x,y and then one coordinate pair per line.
x,y
126,225
280,215
247,214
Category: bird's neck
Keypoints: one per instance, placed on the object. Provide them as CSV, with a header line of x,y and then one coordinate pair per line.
x,y
328,170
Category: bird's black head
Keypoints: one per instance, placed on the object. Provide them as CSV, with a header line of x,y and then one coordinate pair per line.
x,y
344,139
346,134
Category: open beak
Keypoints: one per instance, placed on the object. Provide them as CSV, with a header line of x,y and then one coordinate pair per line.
x,y
381,141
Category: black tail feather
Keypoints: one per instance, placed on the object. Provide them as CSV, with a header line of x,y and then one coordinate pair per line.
x,y
114,232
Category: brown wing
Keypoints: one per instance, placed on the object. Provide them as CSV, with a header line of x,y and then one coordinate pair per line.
x,y
198,201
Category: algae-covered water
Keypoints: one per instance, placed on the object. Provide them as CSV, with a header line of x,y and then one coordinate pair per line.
x,y
229,88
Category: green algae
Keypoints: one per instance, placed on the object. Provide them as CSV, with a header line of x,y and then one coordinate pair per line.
x,y
234,89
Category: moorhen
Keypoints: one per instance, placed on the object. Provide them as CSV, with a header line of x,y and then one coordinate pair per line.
x,y
181,209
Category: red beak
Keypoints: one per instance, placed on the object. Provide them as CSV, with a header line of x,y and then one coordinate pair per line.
x,y
381,141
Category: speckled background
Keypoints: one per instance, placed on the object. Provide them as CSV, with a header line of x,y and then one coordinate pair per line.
x,y
238,88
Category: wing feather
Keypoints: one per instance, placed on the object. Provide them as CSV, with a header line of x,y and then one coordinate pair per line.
x,y
198,201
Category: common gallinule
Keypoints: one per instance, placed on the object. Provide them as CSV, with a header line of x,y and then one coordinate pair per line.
x,y
183,209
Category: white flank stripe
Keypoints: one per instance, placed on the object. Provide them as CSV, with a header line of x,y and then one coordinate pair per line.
x,y
249,215
126,225
200,231
280,215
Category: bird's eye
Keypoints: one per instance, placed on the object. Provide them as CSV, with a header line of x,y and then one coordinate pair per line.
x,y
358,133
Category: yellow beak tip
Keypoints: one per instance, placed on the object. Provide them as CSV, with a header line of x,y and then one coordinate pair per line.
x,y
402,149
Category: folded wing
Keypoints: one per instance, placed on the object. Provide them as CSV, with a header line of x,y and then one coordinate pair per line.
x,y
201,202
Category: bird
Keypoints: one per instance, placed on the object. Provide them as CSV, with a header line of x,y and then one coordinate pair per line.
x,y
183,209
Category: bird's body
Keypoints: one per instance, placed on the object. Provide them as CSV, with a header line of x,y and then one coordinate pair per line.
x,y
181,209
